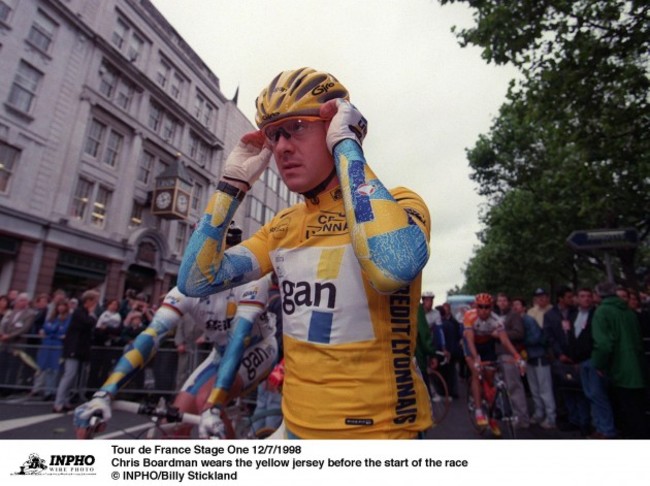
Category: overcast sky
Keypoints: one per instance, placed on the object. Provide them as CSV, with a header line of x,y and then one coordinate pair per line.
x,y
426,98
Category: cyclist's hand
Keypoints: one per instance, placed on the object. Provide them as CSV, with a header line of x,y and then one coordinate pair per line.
x,y
346,122
211,426
521,364
248,159
98,409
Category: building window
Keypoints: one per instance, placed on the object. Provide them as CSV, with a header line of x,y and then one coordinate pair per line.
x,y
136,215
163,123
146,166
283,192
23,90
90,203
181,238
6,6
136,46
293,198
199,150
100,207
164,71
204,155
272,180
115,87
81,198
124,94
203,110
108,77
177,86
198,105
120,33
197,196
8,161
207,115
169,128
194,145
155,116
42,32
169,78
127,39
161,166
268,214
113,148
95,137
256,210
104,143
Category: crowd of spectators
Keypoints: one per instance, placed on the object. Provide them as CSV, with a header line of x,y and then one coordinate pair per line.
x,y
54,346
587,355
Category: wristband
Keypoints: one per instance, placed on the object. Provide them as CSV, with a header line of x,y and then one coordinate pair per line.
x,y
231,190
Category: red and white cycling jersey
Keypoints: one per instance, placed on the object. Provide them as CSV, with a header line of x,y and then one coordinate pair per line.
x,y
483,328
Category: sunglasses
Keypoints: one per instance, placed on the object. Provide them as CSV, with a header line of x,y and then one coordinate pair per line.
x,y
298,128
483,306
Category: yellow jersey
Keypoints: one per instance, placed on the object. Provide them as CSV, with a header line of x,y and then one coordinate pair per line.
x,y
350,371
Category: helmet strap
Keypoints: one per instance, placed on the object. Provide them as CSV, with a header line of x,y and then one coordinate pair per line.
x,y
313,193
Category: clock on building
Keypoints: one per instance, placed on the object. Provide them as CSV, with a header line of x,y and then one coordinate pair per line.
x,y
182,203
163,200
171,194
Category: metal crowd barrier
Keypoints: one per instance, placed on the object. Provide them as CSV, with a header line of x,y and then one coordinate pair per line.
x,y
19,367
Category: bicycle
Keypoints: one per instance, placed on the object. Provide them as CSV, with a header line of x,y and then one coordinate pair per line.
x,y
438,394
164,421
495,402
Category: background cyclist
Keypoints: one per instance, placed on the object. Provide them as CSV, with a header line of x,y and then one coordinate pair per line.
x,y
244,350
482,329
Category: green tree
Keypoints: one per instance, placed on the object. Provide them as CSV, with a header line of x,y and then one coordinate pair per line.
x,y
571,142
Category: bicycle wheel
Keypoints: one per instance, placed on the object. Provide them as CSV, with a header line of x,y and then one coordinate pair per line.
x,y
505,414
439,394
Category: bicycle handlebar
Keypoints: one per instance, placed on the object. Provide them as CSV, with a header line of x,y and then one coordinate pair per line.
x,y
170,414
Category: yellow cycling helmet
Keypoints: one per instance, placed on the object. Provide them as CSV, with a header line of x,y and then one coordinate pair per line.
x,y
300,92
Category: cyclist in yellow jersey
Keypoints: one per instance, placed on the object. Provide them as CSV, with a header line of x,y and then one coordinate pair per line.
x,y
348,260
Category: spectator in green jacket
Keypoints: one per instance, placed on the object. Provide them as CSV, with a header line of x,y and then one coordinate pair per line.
x,y
618,354
425,347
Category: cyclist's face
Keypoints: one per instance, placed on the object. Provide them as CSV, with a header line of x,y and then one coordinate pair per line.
x,y
483,310
303,158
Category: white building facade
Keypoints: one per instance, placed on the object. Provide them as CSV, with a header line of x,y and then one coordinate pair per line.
x,y
97,98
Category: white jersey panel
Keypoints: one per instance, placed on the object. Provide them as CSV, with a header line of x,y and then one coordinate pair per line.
x,y
323,303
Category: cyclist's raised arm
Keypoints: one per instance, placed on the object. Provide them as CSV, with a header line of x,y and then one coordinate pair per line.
x,y
207,267
135,357
390,233
146,344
